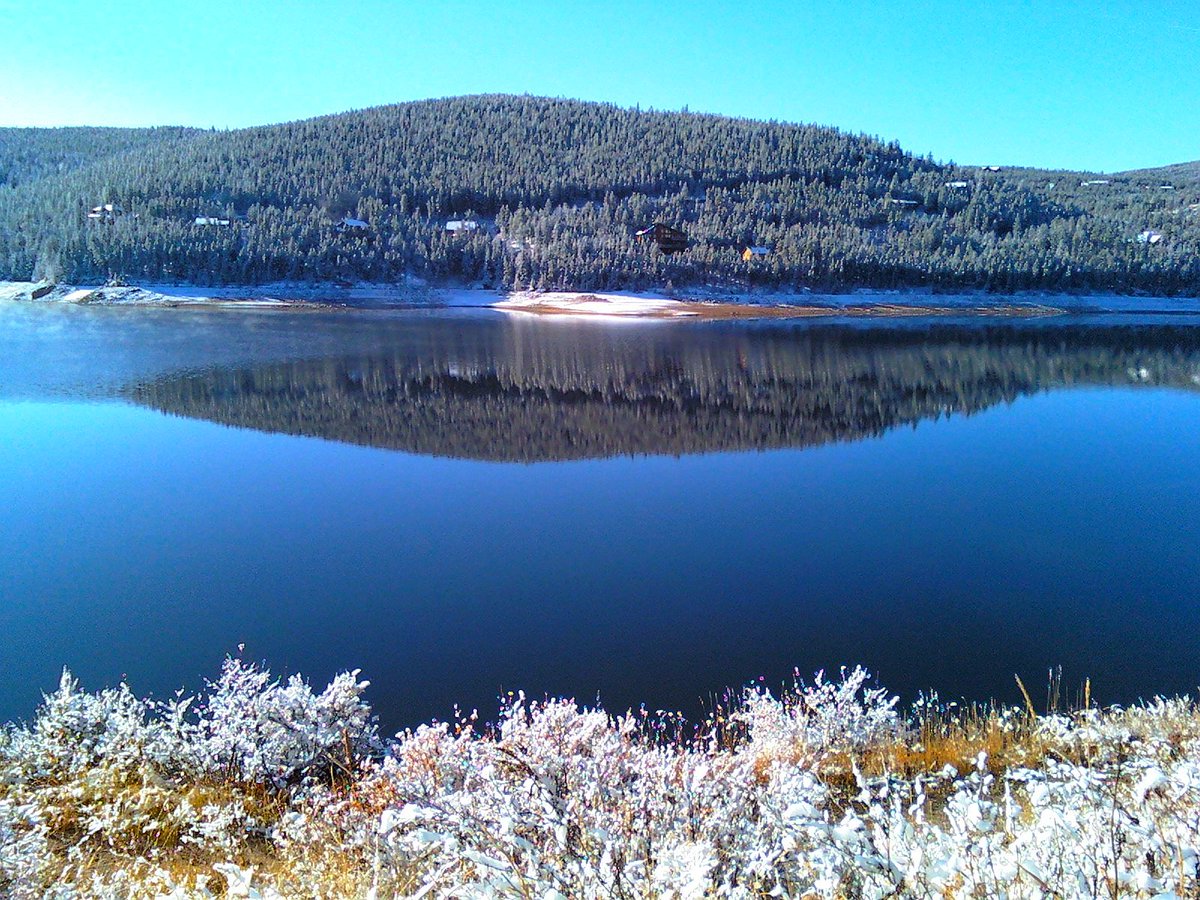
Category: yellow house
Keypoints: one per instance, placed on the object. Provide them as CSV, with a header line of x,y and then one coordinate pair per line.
x,y
750,252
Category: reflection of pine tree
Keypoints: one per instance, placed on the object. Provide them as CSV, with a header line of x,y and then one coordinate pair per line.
x,y
469,392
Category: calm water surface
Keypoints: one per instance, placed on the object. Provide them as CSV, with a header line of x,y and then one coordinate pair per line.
x,y
461,504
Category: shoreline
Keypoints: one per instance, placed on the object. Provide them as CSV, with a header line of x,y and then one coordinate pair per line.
x,y
696,305
147,297
565,303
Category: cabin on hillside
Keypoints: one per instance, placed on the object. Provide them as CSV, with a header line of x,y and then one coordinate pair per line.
x,y
106,212
460,225
1150,236
353,226
669,240
212,220
750,252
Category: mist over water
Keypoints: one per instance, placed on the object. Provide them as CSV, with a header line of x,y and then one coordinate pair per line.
x,y
462,504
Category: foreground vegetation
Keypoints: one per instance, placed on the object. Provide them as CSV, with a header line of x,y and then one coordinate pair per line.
x,y
535,192
267,789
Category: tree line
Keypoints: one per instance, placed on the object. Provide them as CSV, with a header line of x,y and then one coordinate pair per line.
x,y
552,193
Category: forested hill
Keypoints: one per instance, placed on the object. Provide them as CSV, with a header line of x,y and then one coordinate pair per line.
x,y
27,154
523,191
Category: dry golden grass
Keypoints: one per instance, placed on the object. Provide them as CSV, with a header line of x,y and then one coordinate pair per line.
x,y
939,737
145,835
954,742
145,821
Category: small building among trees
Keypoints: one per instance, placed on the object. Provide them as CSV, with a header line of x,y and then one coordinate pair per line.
x,y
106,212
668,239
750,252
347,224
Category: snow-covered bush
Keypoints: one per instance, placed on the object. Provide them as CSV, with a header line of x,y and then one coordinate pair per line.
x,y
110,774
268,789
248,727
75,730
23,850
253,728
814,720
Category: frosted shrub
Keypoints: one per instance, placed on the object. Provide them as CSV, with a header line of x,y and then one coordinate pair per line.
x,y
105,795
249,727
818,718
22,851
256,729
75,730
684,871
569,802
109,774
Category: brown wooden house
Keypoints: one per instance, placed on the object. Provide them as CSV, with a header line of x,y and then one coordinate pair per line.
x,y
669,240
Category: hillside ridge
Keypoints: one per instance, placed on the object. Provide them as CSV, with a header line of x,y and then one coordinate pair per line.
x,y
534,192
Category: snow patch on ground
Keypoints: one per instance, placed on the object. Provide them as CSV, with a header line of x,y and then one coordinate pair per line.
x,y
594,304
654,306
125,295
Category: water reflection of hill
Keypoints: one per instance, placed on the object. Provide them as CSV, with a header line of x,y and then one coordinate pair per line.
x,y
528,394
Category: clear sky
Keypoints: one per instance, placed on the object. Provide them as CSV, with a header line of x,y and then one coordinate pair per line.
x,y
1087,85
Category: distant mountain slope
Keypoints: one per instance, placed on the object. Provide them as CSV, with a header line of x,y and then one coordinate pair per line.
x,y
1187,171
525,191
27,154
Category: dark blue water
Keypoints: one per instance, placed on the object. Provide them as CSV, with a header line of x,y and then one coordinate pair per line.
x,y
462,504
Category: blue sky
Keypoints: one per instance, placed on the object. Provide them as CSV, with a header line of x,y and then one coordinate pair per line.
x,y
1082,85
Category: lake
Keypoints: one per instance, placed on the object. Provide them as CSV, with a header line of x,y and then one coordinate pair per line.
x,y
462,503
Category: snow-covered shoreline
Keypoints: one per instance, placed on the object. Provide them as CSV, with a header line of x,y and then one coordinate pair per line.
x,y
694,304
654,306
129,295
595,304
